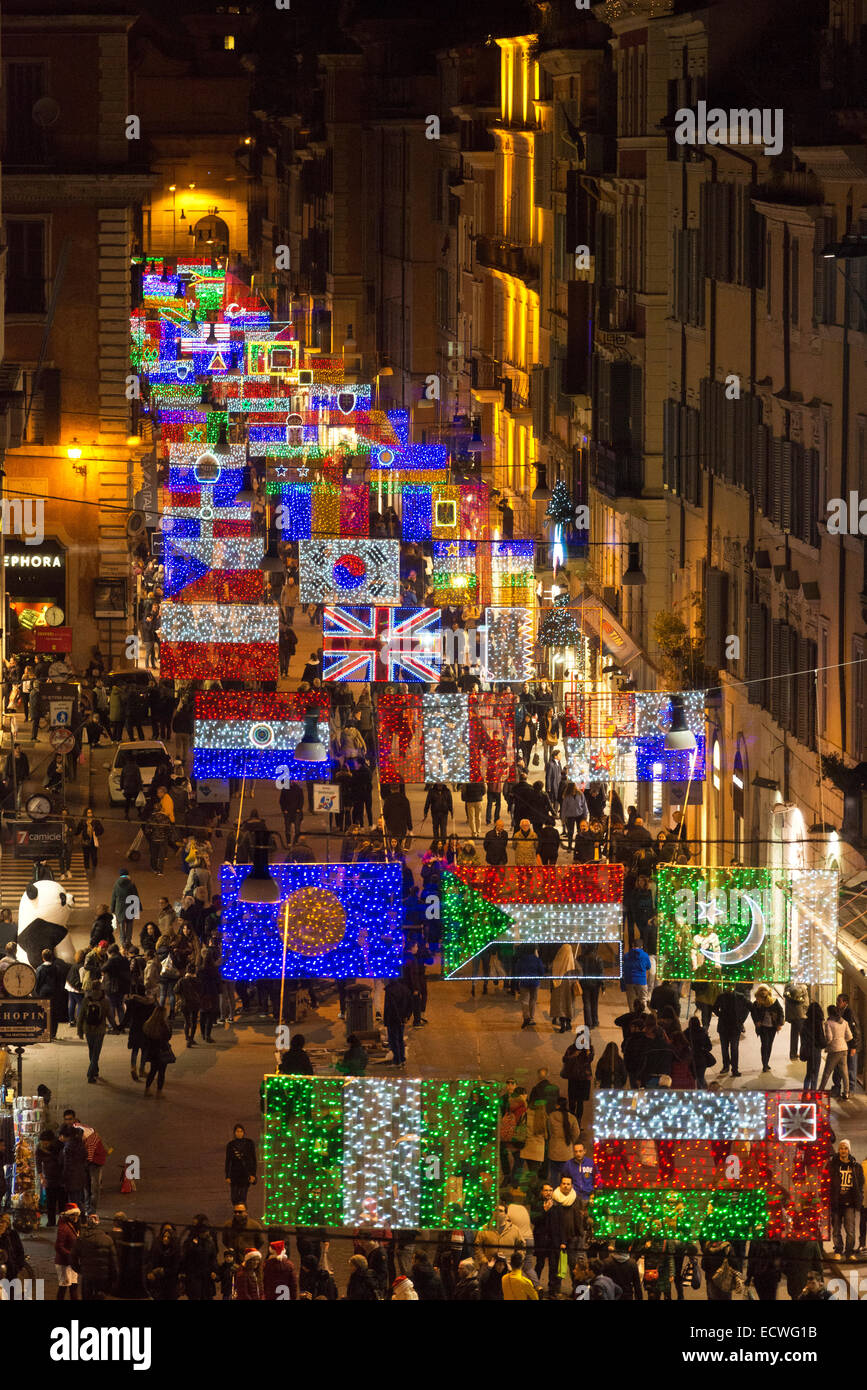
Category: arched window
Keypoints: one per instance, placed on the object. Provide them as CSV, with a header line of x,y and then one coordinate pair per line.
x,y
212,232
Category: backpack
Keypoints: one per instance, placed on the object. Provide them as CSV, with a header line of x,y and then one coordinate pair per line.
x,y
93,1014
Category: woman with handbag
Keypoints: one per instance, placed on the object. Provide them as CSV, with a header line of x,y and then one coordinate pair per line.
x,y
157,1052
722,1271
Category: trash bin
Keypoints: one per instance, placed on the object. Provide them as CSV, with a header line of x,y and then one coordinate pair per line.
x,y
359,1009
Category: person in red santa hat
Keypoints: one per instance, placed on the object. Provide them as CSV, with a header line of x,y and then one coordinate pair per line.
x,y
67,1235
403,1290
278,1277
248,1277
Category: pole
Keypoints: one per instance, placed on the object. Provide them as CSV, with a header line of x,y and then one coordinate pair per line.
x,y
19,1053
285,948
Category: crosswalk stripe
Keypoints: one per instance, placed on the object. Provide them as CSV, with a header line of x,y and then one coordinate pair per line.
x,y
15,874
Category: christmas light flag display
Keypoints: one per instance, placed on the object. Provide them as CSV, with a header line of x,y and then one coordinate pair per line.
x,y
381,644
620,736
450,738
207,641
705,1165
742,924
482,906
254,735
336,922
349,571
398,1152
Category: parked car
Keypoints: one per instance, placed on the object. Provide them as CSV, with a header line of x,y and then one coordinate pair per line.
x,y
130,675
148,754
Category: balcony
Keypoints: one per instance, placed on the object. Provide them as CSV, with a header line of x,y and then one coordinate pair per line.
x,y
615,470
508,257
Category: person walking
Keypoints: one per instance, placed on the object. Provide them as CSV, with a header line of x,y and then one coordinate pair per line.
x,y
767,1015
397,1008
93,1022
125,905
732,1010
67,1235
158,1050
241,1165
528,970
838,1036
567,1233
847,1014
139,1008
577,1072
633,975
73,1165
472,795
563,984
564,1132
131,783
796,999
440,805
847,1196
190,996
49,1166
51,985
812,1044
90,831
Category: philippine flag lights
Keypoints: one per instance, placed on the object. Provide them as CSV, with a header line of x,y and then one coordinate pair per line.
x,y
254,735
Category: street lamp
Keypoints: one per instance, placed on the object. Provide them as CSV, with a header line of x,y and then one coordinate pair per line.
x,y
633,574
541,492
259,886
679,738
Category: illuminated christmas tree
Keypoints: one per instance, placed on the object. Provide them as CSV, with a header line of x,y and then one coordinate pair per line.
x,y
560,627
561,508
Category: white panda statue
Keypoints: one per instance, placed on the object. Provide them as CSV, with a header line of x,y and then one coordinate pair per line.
x,y
43,914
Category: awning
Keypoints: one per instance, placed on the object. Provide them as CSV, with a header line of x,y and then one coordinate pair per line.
x,y
599,622
852,933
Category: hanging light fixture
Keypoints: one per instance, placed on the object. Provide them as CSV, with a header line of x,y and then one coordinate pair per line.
x,y
183,216
541,492
678,738
222,445
259,886
311,749
634,574
194,322
212,334
271,561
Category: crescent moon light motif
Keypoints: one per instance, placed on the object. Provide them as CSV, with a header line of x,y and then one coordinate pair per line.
x,y
746,948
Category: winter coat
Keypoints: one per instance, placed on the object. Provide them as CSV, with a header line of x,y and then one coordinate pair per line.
x,y
560,1145
240,1160
65,1240
49,1163
397,1004
636,964
240,1237
246,1285
732,1009
775,1011
496,845
73,1163
95,1257
397,814
524,846
94,996
438,799
124,888
467,1288
533,1148
138,1011
565,1221
361,1287
428,1284
279,1273
796,1000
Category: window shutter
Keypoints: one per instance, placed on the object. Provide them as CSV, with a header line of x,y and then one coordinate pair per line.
x,y
542,170
810,497
760,465
775,482
670,446
757,652
716,618
692,468
786,484
775,703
